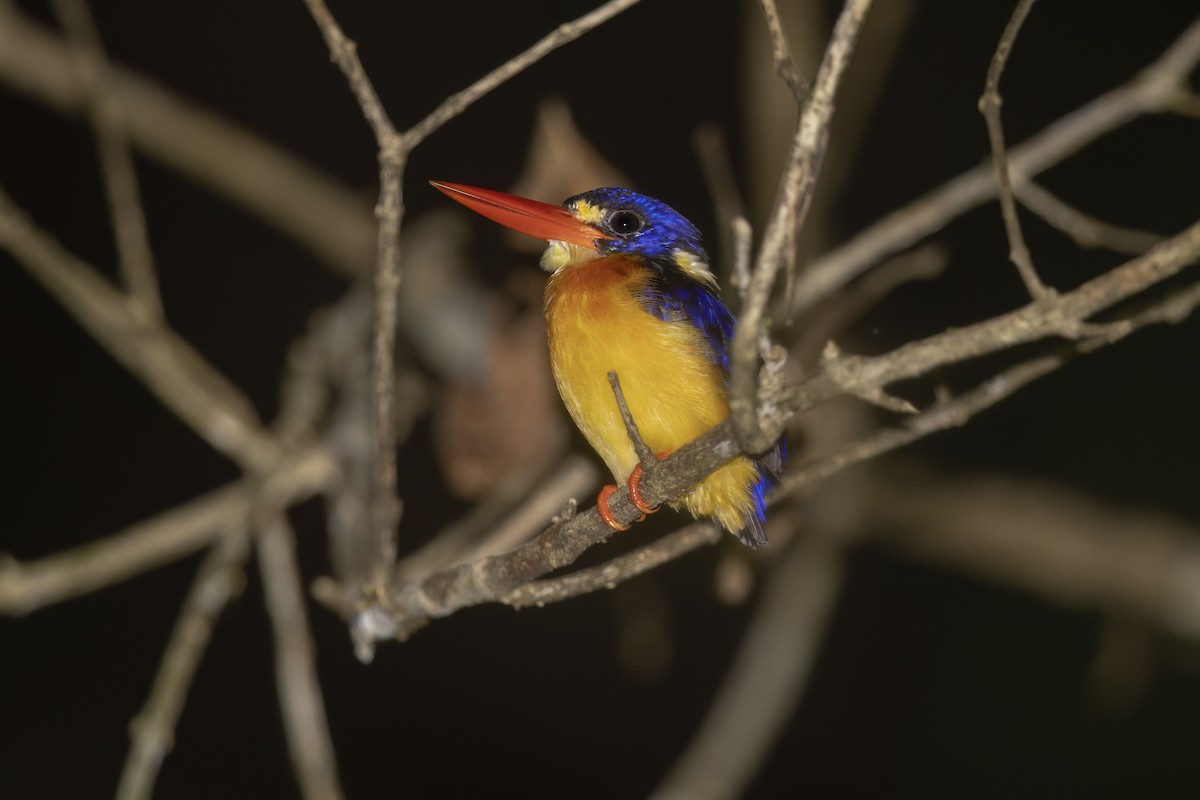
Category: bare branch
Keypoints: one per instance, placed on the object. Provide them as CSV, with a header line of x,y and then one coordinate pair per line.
x,y
385,504
1087,231
27,587
295,661
989,105
217,582
617,571
1154,89
795,196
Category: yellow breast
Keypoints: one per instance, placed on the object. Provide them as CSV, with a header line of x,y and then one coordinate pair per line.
x,y
596,323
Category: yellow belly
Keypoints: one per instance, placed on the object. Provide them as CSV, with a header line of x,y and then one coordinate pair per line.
x,y
674,390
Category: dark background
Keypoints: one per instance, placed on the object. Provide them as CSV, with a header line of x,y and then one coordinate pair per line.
x,y
930,684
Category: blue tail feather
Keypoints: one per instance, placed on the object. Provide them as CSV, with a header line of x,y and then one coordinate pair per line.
x,y
770,470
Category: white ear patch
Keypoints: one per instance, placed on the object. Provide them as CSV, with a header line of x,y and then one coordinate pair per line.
x,y
694,268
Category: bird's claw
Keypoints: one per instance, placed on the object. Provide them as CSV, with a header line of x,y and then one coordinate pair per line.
x,y
606,513
635,488
635,497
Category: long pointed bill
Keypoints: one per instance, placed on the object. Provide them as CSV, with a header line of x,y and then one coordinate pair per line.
x,y
530,217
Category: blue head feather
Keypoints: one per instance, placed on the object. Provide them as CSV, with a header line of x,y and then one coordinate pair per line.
x,y
662,232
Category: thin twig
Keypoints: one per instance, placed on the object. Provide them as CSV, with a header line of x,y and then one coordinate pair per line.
x,y
781,54
345,53
1154,89
295,660
644,453
385,503
989,106
795,197
1086,230
217,583
564,34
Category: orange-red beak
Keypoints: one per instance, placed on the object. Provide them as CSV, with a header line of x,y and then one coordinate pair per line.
x,y
530,217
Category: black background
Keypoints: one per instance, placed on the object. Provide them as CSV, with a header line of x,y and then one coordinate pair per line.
x,y
930,684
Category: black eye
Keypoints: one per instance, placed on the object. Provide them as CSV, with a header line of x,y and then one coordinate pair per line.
x,y
625,222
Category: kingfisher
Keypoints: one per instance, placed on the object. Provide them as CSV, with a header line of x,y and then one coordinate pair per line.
x,y
630,291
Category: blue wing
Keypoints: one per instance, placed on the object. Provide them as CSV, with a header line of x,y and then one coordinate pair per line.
x,y
675,298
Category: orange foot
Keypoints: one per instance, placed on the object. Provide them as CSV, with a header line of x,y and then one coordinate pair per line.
x,y
605,513
635,488
635,496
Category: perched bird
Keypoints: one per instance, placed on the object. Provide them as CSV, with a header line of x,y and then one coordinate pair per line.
x,y
630,291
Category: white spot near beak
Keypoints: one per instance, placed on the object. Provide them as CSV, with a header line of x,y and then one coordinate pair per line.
x,y
564,255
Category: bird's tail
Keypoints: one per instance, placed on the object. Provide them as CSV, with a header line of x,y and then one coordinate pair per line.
x,y
753,535
770,470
